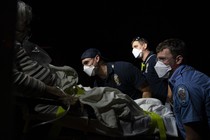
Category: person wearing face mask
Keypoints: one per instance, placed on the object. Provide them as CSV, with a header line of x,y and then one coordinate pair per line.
x,y
190,90
141,51
119,74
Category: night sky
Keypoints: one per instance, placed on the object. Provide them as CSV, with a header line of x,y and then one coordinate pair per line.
x,y
65,29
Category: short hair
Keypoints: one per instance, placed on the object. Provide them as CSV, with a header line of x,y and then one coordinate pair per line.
x,y
140,39
175,45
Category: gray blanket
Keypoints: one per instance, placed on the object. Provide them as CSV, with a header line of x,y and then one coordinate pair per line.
x,y
117,112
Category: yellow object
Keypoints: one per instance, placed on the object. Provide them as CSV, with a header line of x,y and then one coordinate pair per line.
x,y
157,121
143,66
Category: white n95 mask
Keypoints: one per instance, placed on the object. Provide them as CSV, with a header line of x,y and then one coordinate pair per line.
x,y
137,53
89,70
162,69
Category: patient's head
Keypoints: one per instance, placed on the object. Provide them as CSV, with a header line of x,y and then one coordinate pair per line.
x,y
23,20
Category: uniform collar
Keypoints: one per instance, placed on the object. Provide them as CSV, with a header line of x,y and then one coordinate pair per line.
x,y
148,56
178,72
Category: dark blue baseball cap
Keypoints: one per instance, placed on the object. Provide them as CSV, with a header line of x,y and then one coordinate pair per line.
x,y
90,53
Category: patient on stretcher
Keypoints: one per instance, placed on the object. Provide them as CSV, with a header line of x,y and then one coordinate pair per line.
x,y
119,115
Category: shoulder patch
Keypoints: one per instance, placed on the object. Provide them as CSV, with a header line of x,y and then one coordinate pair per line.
x,y
182,95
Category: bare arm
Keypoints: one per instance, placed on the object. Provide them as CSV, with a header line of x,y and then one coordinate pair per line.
x,y
146,92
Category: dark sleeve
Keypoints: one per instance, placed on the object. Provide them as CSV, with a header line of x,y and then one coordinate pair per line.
x,y
135,76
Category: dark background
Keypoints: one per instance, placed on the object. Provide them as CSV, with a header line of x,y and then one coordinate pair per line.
x,y
67,28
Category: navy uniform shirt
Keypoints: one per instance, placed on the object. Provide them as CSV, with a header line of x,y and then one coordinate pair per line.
x,y
159,86
191,96
124,76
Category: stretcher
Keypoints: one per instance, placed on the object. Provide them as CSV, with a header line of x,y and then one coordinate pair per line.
x,y
109,113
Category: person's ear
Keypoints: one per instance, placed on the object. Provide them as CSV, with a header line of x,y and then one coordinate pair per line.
x,y
144,46
97,58
179,59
